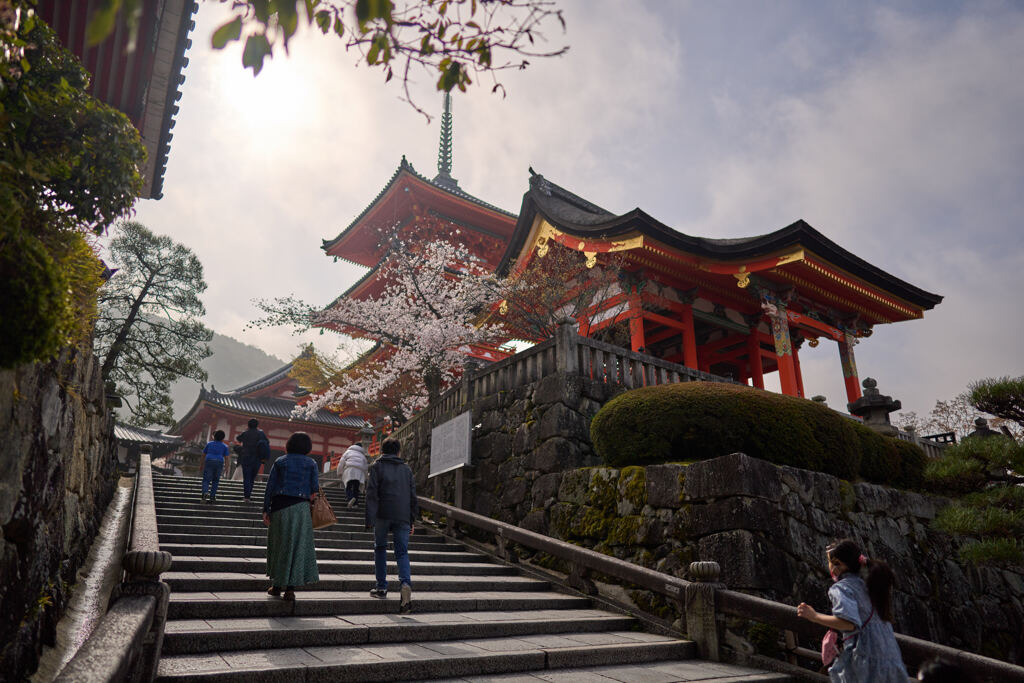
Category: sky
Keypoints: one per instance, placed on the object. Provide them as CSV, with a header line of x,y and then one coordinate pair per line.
x,y
894,128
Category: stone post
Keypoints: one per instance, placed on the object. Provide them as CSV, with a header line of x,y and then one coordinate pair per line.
x,y
566,357
701,618
469,368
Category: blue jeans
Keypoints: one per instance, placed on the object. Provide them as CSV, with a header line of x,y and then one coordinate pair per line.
x,y
211,473
400,535
352,489
250,468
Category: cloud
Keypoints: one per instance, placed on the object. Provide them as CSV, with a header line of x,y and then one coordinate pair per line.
x,y
895,131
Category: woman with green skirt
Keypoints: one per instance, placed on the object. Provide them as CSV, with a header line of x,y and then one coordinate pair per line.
x,y
292,485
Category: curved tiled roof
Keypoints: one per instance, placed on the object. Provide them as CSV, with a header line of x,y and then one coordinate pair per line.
x,y
278,408
451,188
576,216
140,435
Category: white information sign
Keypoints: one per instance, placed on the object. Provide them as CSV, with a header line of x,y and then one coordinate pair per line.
x,y
450,444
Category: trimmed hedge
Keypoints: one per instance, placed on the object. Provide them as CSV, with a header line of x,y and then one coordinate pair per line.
x,y
702,420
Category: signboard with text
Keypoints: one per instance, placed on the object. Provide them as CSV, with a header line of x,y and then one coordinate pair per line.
x,y
450,444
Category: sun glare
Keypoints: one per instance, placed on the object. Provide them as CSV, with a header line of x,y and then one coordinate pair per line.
x,y
280,95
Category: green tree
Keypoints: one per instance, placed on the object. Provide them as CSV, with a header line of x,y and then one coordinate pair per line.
x,y
1002,397
987,475
68,168
148,332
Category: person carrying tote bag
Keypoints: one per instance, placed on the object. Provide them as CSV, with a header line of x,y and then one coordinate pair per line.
x,y
322,512
293,484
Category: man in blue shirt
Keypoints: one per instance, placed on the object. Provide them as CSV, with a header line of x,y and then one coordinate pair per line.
x,y
213,464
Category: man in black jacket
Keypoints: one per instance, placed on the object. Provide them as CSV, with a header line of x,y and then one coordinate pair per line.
x,y
255,447
391,506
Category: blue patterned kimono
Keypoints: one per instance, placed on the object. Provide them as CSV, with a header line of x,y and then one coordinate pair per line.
x,y
870,653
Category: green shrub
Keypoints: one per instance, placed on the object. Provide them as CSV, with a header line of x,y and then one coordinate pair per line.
x,y
701,420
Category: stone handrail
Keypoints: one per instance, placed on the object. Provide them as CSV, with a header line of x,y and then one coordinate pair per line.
x,y
127,642
566,352
612,364
933,449
699,600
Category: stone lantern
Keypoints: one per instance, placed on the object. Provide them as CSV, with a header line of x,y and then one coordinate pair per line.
x,y
366,434
874,408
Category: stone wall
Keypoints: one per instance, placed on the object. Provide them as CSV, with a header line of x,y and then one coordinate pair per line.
x,y
56,478
767,526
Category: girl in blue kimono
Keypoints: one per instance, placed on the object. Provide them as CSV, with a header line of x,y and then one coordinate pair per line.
x,y
862,614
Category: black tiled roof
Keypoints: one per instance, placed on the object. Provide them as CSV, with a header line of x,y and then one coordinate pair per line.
x,y
140,435
278,408
450,187
576,216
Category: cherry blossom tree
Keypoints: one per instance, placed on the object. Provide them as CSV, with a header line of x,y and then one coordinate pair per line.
x,y
425,318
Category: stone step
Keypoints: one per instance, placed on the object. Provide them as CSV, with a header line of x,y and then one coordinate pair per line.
x,y
257,529
313,602
639,672
248,511
420,542
258,566
426,659
364,554
215,582
193,636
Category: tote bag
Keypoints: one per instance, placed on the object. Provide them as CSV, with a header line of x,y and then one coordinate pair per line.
x,y
323,513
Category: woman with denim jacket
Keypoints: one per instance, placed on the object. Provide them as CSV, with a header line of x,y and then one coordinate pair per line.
x,y
292,486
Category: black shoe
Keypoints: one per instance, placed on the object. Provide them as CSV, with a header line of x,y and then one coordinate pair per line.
x,y
380,593
289,594
212,500
274,592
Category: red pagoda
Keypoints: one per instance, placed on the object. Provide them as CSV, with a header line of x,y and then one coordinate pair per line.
x,y
420,208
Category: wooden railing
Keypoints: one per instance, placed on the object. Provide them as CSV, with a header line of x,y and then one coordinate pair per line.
x,y
702,599
127,642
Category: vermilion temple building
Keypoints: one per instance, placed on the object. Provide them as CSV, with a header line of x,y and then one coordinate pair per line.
x,y
270,400
739,308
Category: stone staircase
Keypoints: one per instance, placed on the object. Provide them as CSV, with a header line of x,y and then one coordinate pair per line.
x,y
473,618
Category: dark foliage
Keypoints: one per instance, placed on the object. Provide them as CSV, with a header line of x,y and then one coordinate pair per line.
x,y
699,420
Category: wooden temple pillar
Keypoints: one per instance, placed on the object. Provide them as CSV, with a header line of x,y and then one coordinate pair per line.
x,y
849,367
689,337
796,366
776,312
754,358
636,321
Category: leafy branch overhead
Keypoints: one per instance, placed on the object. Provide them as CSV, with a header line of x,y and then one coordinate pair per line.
x,y
455,40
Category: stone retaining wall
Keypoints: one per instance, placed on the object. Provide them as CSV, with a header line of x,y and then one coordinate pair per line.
x,y
56,479
767,526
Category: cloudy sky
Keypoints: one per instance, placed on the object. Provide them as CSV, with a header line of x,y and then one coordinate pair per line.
x,y
896,129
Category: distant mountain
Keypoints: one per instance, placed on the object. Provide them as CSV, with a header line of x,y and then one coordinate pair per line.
x,y
232,365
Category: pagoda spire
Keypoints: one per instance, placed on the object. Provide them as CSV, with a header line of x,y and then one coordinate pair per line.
x,y
444,152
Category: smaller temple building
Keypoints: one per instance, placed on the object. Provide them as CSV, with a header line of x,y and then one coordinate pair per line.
x,y
271,400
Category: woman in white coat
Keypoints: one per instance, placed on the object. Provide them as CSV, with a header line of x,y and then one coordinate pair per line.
x,y
353,466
